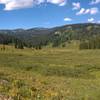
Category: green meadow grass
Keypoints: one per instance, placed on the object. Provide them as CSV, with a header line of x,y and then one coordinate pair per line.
x,y
50,74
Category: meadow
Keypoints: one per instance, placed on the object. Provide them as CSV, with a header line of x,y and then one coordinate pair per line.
x,y
49,74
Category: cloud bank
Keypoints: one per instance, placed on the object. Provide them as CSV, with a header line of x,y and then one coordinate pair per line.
x,y
18,4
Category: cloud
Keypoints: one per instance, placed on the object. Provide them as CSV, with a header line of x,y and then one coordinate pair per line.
x,y
91,20
95,2
76,6
81,11
94,10
18,4
91,11
67,19
98,22
58,2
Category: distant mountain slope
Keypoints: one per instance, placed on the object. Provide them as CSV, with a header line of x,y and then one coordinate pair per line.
x,y
80,30
63,33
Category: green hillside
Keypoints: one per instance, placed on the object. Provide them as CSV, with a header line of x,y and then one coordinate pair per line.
x,y
43,36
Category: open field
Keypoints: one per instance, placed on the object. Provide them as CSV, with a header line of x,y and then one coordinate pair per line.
x,y
49,74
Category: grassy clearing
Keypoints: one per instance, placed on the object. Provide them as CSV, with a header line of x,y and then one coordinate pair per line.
x,y
50,74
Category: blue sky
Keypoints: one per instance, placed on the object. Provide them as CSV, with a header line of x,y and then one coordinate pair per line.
x,y
47,13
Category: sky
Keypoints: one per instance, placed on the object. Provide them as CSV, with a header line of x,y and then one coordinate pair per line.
x,y
47,13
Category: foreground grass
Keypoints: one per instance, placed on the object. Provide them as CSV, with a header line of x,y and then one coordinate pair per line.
x,y
49,74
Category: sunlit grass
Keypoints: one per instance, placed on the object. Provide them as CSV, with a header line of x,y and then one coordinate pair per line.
x,y
50,74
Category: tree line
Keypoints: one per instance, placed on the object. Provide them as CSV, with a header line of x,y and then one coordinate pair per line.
x,y
90,43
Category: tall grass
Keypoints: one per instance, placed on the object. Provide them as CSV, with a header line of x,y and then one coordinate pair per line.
x,y
49,74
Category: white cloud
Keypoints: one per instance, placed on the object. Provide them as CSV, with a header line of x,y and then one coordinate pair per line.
x,y
58,2
98,22
67,19
76,5
95,2
82,11
94,10
91,11
87,11
91,20
18,4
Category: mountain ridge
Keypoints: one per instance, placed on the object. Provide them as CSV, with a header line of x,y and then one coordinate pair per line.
x,y
35,36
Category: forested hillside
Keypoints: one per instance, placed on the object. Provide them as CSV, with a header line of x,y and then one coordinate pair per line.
x,y
38,37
